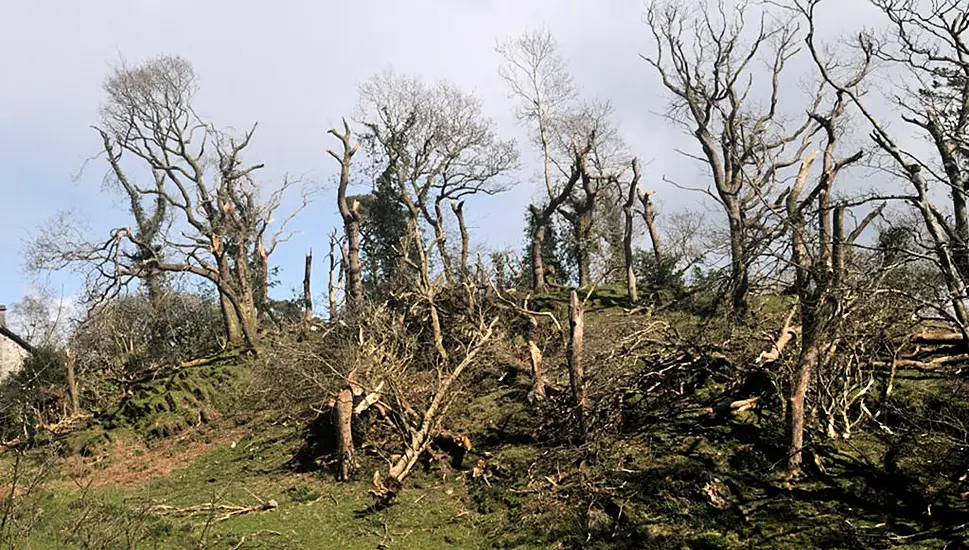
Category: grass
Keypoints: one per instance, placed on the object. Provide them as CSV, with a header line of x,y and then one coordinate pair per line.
x,y
670,478
313,511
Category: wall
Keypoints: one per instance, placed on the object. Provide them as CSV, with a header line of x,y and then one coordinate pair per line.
x,y
11,356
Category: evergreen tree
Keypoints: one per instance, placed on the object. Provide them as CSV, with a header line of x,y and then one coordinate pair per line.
x,y
383,231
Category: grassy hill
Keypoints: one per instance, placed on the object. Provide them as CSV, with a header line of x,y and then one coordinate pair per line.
x,y
204,459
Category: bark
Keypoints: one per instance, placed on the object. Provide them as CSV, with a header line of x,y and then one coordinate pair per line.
x,y
71,361
576,374
583,237
354,270
806,365
230,320
343,419
739,279
261,290
307,292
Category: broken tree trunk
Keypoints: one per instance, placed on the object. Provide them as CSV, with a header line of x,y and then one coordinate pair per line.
x,y
535,356
307,293
576,375
627,239
649,216
343,419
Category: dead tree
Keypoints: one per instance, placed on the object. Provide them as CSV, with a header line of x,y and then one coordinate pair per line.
x,y
605,162
351,220
627,235
703,57
307,291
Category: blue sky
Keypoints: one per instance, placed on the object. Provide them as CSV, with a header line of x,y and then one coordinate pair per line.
x,y
293,66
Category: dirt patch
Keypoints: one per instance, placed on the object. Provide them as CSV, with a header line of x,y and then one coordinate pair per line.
x,y
132,463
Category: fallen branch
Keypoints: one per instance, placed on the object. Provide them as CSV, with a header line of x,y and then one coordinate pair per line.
x,y
226,510
787,334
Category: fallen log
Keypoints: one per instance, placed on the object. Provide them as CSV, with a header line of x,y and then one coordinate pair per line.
x,y
937,338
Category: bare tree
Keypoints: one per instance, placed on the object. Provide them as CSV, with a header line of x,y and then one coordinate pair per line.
x,y
222,229
537,77
704,58
440,147
351,219
818,257
591,123
927,48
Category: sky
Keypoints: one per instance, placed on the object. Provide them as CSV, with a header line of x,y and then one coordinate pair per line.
x,y
294,67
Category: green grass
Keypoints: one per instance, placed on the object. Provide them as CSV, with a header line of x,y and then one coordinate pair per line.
x,y
313,511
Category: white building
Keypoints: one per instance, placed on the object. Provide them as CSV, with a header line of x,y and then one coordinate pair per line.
x,y
13,349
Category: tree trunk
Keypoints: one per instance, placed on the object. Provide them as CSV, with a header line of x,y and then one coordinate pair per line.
x,y
458,209
354,269
307,293
343,419
649,216
739,282
440,237
538,240
261,280
806,365
627,235
337,273
71,361
351,221
576,375
230,320
583,238
155,283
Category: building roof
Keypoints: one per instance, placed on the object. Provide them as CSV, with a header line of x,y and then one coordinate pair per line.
x,y
4,331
